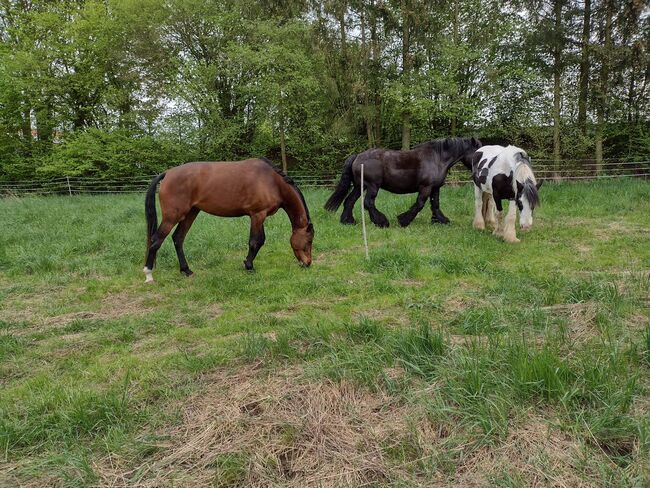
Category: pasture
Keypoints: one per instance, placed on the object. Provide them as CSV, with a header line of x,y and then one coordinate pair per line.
x,y
448,359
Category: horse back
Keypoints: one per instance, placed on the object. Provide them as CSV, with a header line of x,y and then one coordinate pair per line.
x,y
225,189
392,170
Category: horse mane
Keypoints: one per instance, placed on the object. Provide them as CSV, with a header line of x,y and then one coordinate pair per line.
x,y
524,175
455,144
290,182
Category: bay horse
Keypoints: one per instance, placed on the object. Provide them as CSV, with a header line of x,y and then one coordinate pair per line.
x,y
421,170
226,189
504,173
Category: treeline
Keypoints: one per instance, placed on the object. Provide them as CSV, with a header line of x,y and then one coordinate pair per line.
x,y
119,87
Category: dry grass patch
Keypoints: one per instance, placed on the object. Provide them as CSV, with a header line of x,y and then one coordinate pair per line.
x,y
617,228
257,429
112,306
580,317
533,453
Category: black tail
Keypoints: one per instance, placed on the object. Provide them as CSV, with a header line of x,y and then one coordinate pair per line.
x,y
342,187
150,208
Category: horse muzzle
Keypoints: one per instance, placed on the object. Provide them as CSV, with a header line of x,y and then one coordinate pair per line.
x,y
305,264
526,228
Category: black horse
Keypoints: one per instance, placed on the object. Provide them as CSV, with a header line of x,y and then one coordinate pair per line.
x,y
421,170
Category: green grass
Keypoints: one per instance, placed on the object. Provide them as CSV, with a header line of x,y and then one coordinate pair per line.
x,y
477,340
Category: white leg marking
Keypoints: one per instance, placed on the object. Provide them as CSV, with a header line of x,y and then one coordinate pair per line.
x,y
490,213
478,223
509,229
148,275
498,228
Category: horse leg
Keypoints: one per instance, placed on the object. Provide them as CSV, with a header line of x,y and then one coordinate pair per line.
x,y
488,211
377,218
498,228
479,220
407,217
509,234
348,206
179,237
436,214
156,241
256,239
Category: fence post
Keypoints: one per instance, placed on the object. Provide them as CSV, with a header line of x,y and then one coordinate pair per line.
x,y
69,189
363,217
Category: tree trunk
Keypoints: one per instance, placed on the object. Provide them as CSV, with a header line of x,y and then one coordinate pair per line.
x,y
366,96
26,126
557,88
454,117
584,68
406,68
341,18
374,74
283,148
603,88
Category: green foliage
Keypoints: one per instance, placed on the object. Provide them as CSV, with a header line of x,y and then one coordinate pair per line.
x,y
89,87
112,154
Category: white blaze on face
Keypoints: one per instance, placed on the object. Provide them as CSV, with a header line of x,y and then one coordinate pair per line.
x,y
526,215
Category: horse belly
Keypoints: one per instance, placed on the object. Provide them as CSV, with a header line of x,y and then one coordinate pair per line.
x,y
400,182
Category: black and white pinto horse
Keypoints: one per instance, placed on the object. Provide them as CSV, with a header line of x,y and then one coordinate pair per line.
x,y
421,170
503,173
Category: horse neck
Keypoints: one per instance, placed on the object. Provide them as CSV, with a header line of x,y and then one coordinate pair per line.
x,y
451,161
294,207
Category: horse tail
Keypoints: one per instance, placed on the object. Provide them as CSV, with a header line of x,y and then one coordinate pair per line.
x,y
342,187
150,208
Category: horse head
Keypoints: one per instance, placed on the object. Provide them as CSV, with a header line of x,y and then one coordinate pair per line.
x,y
301,242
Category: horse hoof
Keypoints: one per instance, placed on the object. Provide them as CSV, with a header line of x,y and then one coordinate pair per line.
x,y
382,223
187,272
403,220
248,266
349,222
440,220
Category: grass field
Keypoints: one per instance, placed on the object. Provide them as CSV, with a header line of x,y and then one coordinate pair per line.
x,y
447,359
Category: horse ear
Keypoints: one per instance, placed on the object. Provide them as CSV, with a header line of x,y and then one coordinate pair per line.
x,y
539,185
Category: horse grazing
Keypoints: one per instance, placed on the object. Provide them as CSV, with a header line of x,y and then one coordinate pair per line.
x,y
504,173
421,170
229,189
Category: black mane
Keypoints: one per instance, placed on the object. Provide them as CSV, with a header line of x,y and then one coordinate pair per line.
x,y
452,144
289,181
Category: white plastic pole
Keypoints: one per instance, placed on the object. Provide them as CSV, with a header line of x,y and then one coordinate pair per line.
x,y
69,189
363,217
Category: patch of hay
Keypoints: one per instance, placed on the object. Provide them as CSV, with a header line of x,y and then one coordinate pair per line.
x,y
532,452
288,432
253,428
581,319
113,305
